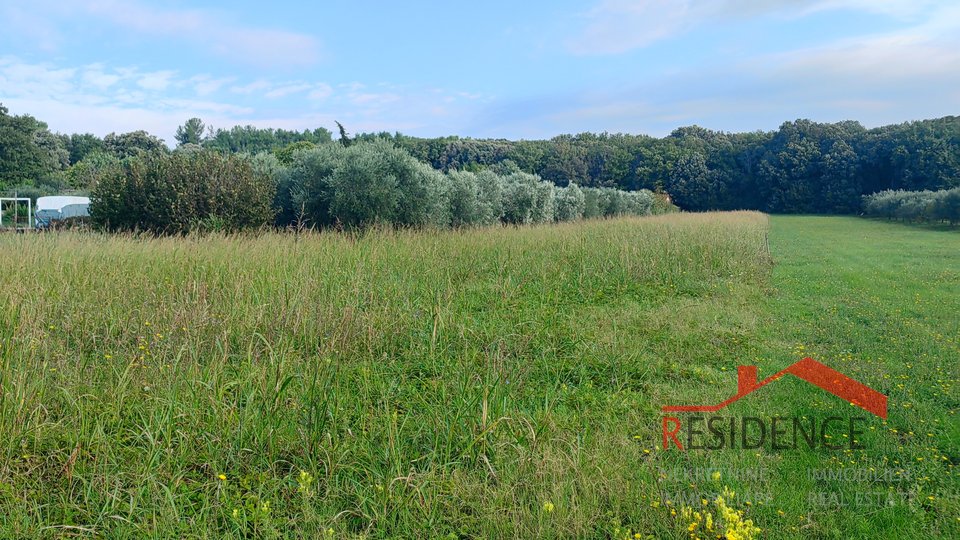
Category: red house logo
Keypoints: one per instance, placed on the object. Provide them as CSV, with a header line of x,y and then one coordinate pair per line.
x,y
809,370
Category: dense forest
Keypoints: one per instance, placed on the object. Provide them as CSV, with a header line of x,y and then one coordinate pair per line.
x,y
803,167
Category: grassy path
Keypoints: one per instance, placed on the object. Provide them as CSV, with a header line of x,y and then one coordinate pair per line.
x,y
881,303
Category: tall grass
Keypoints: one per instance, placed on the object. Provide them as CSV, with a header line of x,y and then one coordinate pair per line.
x,y
387,383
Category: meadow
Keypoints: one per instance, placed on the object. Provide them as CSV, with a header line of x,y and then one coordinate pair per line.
x,y
500,382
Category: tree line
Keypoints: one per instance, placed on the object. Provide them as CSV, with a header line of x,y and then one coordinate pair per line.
x,y
333,186
803,167
918,206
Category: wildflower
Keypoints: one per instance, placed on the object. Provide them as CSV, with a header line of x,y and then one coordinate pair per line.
x,y
222,476
715,476
548,507
304,483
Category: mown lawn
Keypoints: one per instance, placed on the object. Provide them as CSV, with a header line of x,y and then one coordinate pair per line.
x,y
879,302
477,384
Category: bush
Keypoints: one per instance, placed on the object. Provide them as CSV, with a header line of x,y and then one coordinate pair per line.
x,y
519,198
463,199
305,189
377,182
363,184
182,191
591,203
473,199
490,198
639,203
569,203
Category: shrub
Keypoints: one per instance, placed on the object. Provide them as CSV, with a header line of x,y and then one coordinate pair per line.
x,y
639,203
463,199
182,191
377,182
611,202
306,186
569,203
519,198
591,203
490,203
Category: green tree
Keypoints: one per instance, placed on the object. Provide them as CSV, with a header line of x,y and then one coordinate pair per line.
x,y
690,182
131,144
22,160
344,138
285,154
82,145
190,132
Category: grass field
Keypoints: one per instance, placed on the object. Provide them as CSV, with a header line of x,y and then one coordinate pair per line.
x,y
478,384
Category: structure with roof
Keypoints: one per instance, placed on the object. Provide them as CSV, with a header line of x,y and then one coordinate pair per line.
x,y
60,207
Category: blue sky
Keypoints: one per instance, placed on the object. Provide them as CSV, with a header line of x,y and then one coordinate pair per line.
x,y
488,69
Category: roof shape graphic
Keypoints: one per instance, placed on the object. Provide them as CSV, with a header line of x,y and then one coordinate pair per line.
x,y
809,370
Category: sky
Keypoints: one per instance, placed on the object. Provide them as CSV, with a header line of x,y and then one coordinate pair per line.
x,y
517,70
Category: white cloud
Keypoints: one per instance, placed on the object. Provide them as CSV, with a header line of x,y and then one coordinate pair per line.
x,y
34,25
158,80
200,106
99,99
204,85
286,90
918,56
210,30
372,99
17,78
255,86
878,79
618,26
320,92
94,75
